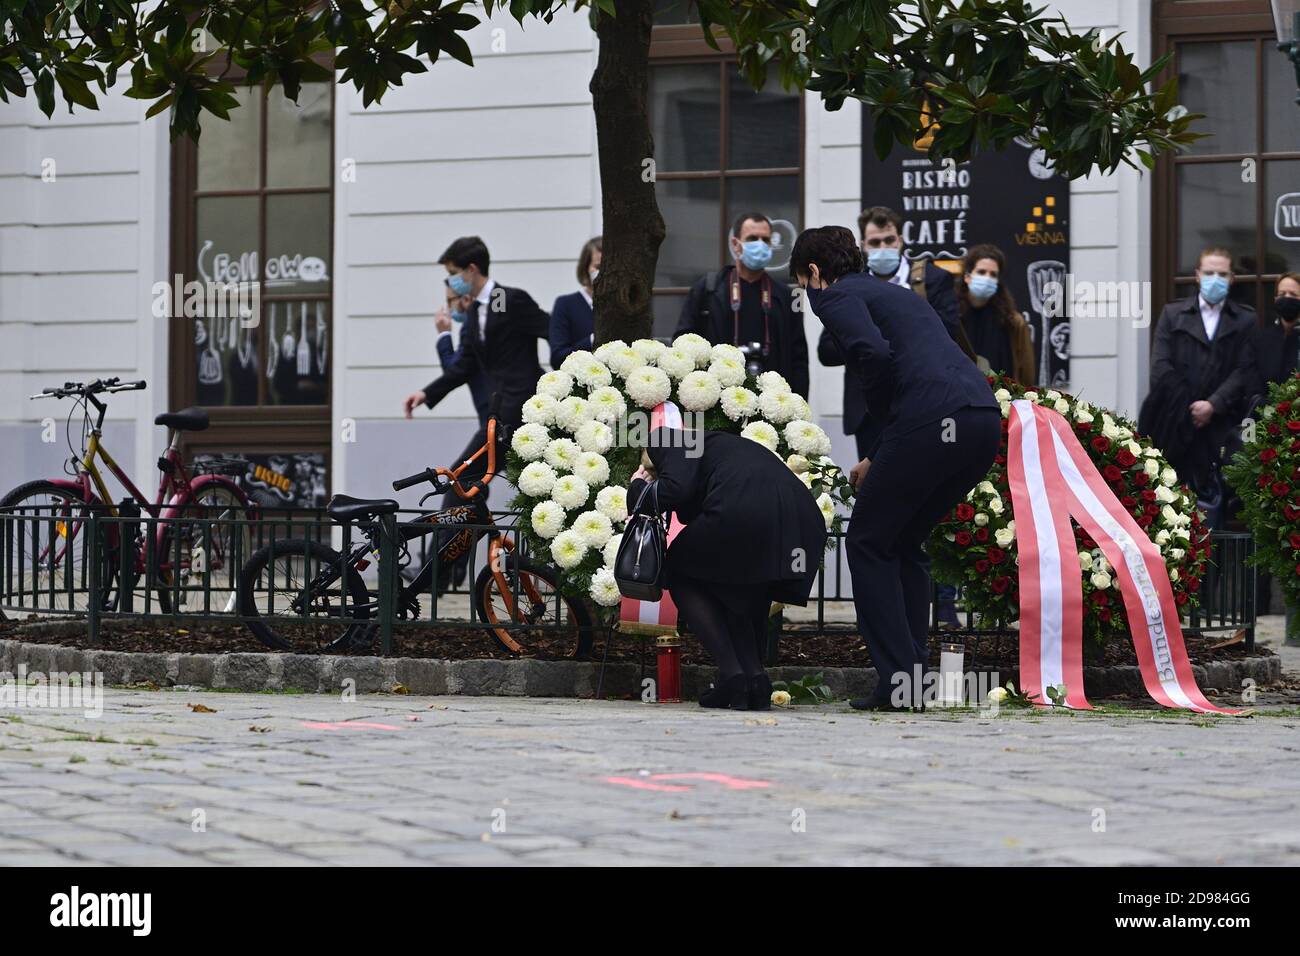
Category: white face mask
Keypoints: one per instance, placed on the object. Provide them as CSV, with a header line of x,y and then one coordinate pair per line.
x,y
591,276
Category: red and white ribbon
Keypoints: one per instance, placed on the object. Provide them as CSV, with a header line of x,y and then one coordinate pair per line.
x,y
661,614
1052,480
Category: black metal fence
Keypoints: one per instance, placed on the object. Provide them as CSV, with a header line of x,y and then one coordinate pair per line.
x,y
392,574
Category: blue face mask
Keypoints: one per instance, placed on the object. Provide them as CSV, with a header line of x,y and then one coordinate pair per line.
x,y
982,288
884,261
1214,289
755,254
457,315
458,284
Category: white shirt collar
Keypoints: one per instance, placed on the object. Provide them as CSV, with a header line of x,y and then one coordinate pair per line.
x,y
904,271
586,293
485,293
1210,315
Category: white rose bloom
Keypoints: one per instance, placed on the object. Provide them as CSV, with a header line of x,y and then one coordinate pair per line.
x,y
1110,431
604,589
547,519
950,537
610,551
562,453
648,349
649,386
555,384
536,479
1166,495
1052,395
1032,397
1062,406
699,391
595,436
593,528
1151,467
826,504
1173,574
1005,409
592,468
797,463
1182,533
1081,414
806,438
763,433
1177,553
676,362
1100,579
1169,477
738,402
571,412
987,487
773,381
724,350
779,407
570,492
996,506
611,501
696,346
1162,537
567,549
1151,452
807,479
1123,434
540,410
981,519
1004,536
1085,560
606,404
728,371
623,360
530,441
1134,449
1002,395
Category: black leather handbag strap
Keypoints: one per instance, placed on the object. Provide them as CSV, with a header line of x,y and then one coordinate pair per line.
x,y
652,489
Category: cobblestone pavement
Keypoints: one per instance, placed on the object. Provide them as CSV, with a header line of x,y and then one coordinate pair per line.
x,y
296,779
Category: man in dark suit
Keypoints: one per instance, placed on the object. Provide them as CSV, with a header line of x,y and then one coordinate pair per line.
x,y
499,340
740,305
573,323
1203,374
941,429
455,313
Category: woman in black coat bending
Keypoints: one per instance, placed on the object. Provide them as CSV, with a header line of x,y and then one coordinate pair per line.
x,y
752,535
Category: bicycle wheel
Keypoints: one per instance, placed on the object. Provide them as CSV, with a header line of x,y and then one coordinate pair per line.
x,y
544,610
212,544
46,551
284,573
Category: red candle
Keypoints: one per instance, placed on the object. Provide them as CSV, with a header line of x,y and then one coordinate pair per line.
x,y
670,669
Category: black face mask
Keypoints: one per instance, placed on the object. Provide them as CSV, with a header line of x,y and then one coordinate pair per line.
x,y
1287,308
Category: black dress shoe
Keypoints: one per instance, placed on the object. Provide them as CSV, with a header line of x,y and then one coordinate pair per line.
x,y
760,692
731,693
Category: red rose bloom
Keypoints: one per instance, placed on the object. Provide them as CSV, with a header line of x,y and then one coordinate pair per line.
x,y
1125,458
1101,443
1293,426
1000,585
1280,488
965,512
1145,521
981,535
1112,474
1267,455
1193,584
1148,495
1295,541
1104,614
997,555
1181,598
1084,427
964,539
982,566
1152,510
1141,479
1284,407
1273,429
1292,513
1128,501
1100,598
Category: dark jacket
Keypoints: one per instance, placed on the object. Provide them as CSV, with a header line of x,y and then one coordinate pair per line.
x,y
748,519
1276,356
509,358
478,385
942,297
572,325
708,312
911,372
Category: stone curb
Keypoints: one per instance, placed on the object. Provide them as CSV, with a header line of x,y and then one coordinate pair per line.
x,y
485,678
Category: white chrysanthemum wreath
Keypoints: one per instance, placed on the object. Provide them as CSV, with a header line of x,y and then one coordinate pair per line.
x,y
572,469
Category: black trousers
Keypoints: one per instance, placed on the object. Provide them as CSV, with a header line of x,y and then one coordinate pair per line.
x,y
730,620
914,480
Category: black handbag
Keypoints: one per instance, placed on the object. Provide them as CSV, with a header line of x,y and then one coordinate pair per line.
x,y
639,565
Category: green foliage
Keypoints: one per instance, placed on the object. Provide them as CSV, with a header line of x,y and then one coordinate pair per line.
x,y
811,689
972,74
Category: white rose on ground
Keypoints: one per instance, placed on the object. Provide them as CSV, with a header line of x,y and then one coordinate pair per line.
x,y
807,439
592,468
676,362
611,501
623,360
696,346
555,384
606,404
1100,580
594,528
530,441
562,453
567,549
797,463
780,698
763,433
537,479
738,403
604,589
610,551
648,349
649,386
1003,537
1085,560
773,382
570,492
728,371
540,410
826,504
699,391
571,412
547,518
997,695
595,436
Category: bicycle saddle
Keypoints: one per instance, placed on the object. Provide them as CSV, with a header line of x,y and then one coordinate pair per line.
x,y
192,419
347,508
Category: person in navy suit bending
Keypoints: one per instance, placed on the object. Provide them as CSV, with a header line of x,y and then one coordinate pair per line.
x,y
455,312
941,431
572,320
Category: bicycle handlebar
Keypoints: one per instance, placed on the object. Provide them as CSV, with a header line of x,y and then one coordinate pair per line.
x,y
436,476
428,475
91,388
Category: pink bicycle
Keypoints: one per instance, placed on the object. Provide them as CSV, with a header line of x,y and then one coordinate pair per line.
x,y
202,533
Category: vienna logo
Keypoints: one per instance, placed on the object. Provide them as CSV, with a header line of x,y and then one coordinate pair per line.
x,y
102,909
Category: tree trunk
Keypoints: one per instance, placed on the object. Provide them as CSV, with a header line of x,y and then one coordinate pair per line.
x,y
632,227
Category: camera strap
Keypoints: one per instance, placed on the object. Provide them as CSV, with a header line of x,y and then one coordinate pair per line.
x,y
765,297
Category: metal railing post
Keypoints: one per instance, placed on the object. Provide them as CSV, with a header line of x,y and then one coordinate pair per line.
x,y
388,575
93,552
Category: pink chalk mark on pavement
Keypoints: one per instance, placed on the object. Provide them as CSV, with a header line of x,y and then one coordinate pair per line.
x,y
346,725
647,783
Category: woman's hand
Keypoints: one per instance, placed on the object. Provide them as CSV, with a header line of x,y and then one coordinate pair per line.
x,y
858,473
642,474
